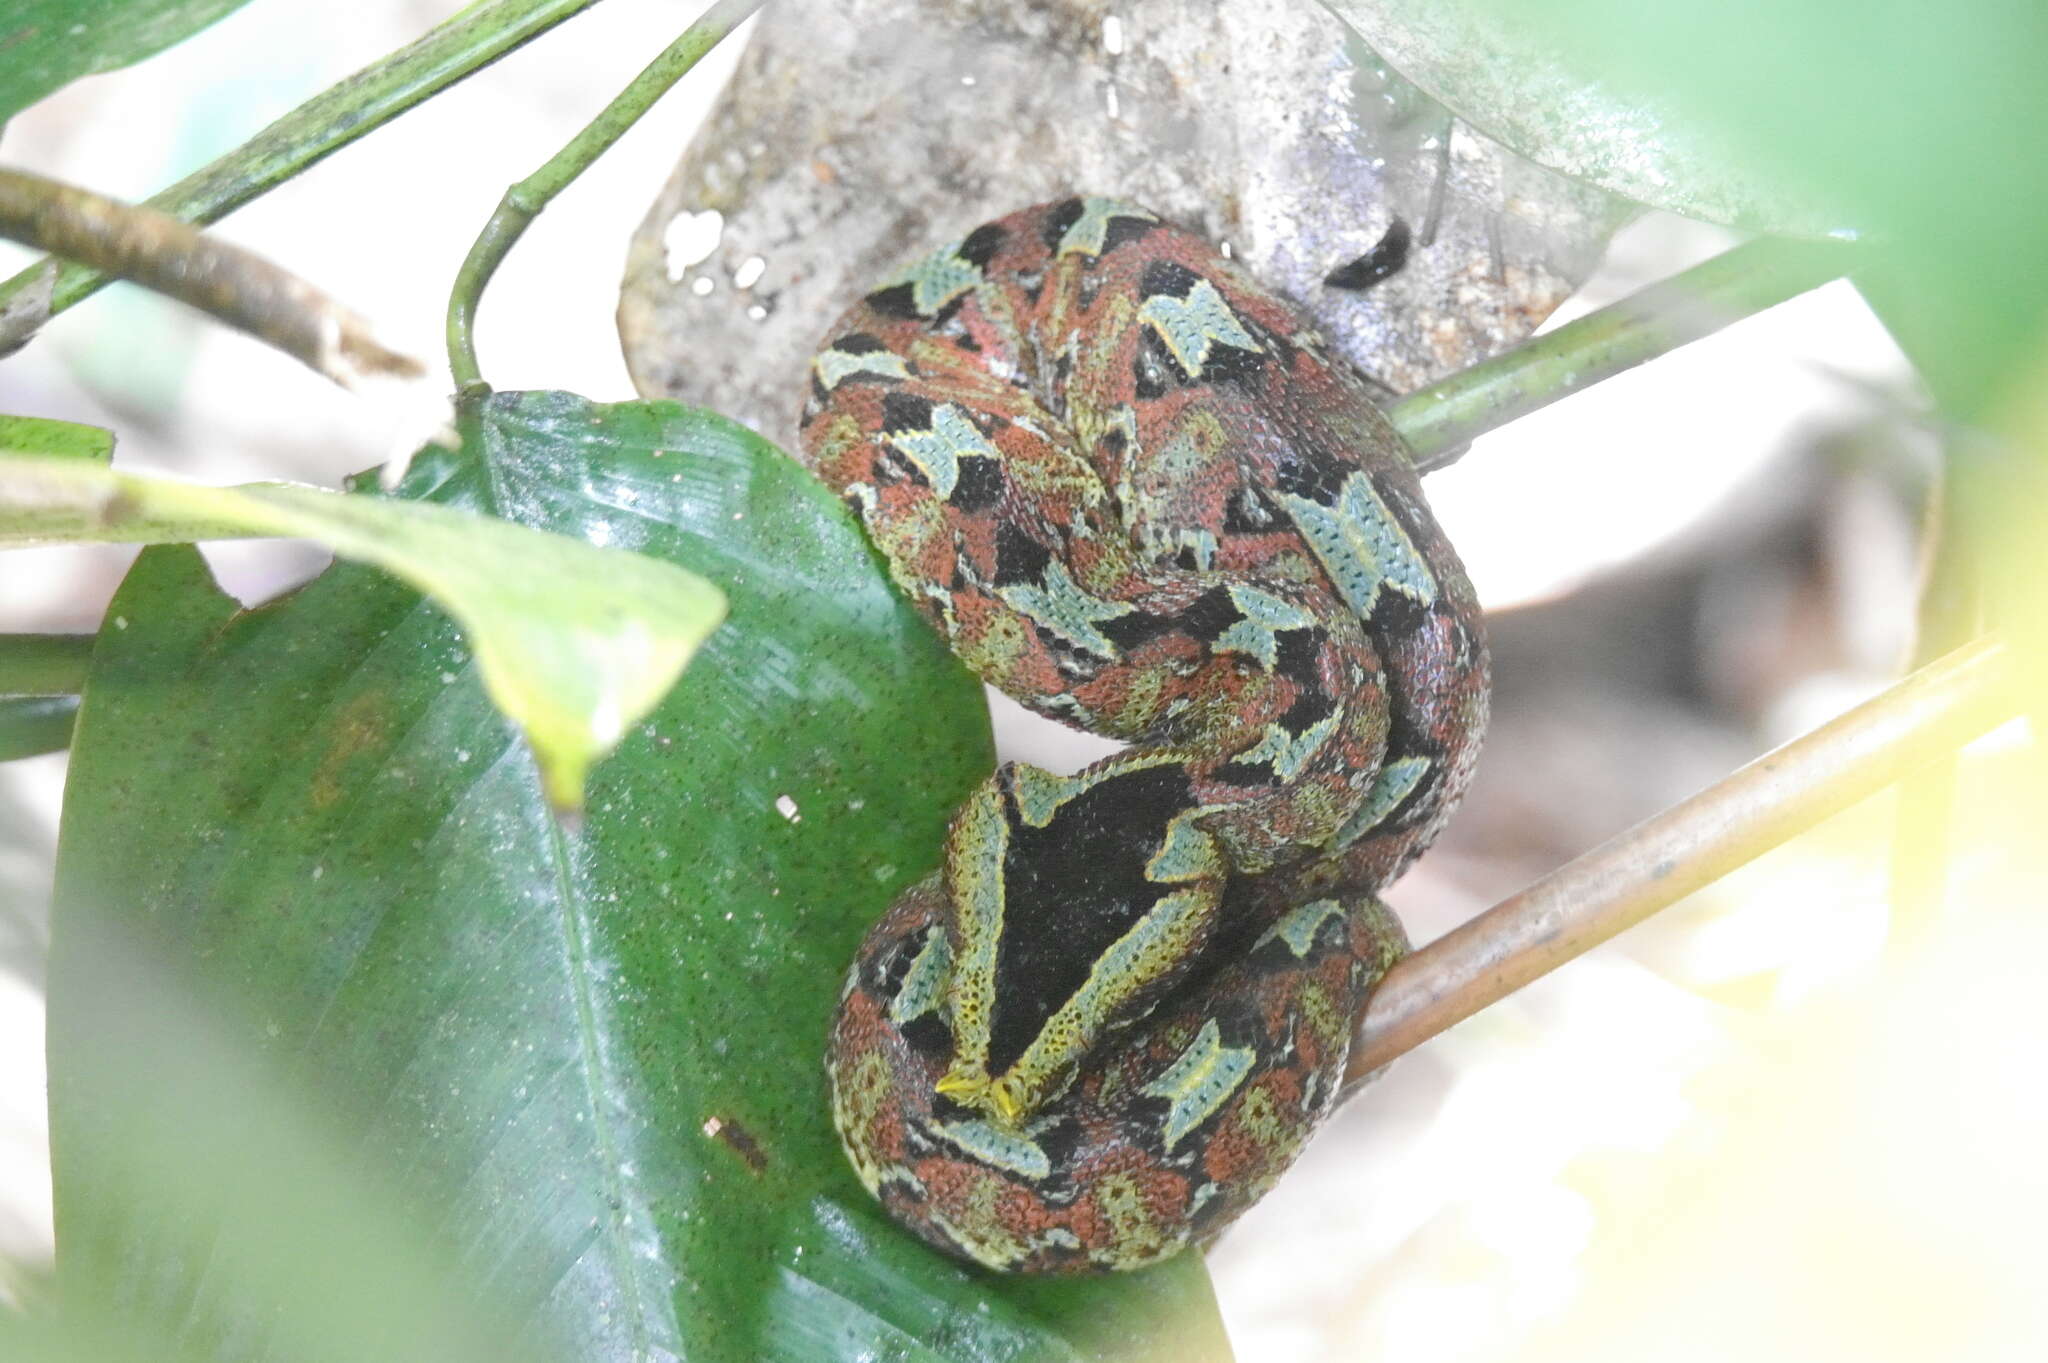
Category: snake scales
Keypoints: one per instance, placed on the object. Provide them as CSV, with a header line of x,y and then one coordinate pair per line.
x,y
1131,488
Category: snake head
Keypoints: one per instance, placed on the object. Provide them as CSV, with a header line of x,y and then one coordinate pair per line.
x,y
1072,902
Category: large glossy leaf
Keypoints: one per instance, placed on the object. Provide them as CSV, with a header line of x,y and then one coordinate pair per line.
x,y
47,43
591,1059
203,1145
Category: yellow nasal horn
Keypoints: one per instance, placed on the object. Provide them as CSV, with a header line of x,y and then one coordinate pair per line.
x,y
963,1085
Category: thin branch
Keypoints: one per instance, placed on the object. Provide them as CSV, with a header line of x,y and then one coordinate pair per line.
x,y
44,664
33,725
524,201
1439,420
308,134
235,286
1661,860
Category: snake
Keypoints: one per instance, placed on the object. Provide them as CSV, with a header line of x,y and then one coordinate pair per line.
x,y
1135,490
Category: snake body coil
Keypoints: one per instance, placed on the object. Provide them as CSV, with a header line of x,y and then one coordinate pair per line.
x,y
1132,489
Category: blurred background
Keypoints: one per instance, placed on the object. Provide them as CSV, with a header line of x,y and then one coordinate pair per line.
x,y
1715,1133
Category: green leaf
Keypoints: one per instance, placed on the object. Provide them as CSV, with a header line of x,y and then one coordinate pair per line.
x,y
593,1060
46,44
59,439
574,643
1919,131
1487,64
196,1131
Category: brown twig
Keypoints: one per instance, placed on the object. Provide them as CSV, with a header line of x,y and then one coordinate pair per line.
x,y
352,108
173,258
1661,860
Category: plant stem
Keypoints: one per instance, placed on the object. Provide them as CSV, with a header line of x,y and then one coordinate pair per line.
x,y
1661,860
44,664
1438,420
179,261
524,201
322,125
33,725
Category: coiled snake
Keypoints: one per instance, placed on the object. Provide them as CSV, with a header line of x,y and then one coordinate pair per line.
x,y
1131,488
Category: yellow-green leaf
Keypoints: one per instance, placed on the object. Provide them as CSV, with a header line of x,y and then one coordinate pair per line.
x,y
574,642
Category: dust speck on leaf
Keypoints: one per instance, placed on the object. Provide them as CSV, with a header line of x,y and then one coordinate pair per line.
x,y
729,1132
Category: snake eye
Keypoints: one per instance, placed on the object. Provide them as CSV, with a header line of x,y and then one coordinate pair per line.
x,y
888,970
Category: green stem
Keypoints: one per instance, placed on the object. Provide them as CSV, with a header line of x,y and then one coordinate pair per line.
x,y
33,725
1438,420
43,664
524,201
322,125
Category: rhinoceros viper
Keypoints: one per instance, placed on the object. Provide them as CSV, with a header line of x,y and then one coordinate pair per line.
x,y
1133,489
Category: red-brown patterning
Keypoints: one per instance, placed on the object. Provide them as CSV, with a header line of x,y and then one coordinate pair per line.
x,y
1132,489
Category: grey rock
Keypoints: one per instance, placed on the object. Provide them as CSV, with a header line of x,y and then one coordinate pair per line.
x,y
856,135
